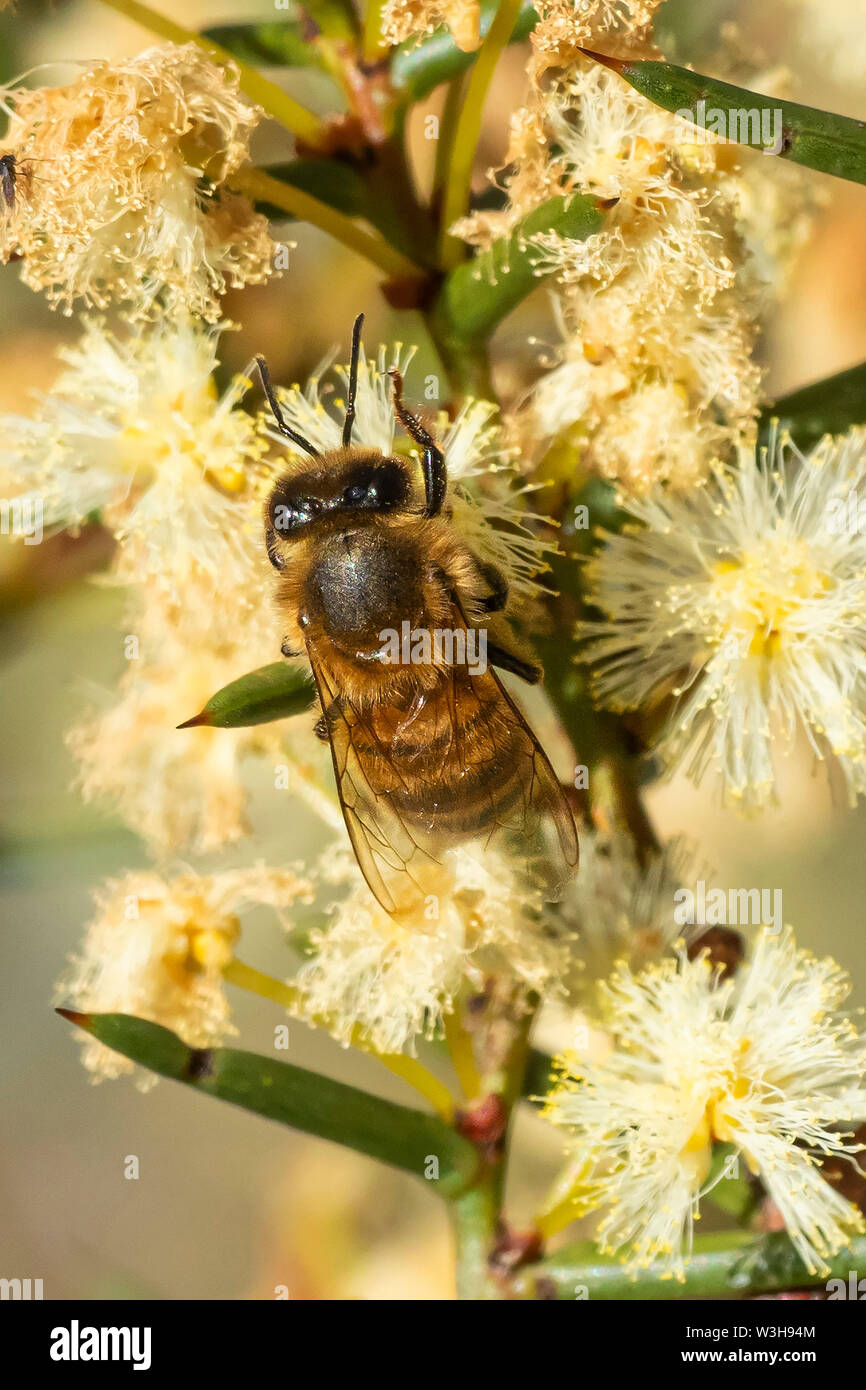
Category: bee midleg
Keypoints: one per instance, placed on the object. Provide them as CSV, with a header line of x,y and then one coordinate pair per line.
x,y
507,661
498,597
528,671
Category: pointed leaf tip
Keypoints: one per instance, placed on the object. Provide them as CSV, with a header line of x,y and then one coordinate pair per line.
x,y
203,717
615,64
271,692
73,1016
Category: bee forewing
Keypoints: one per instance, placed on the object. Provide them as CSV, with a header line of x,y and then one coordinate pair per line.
x,y
454,765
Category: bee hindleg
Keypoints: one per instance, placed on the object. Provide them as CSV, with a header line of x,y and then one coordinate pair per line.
x,y
320,728
507,661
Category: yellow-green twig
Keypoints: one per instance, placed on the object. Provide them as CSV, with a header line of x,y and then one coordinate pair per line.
x,y
551,1222
407,1068
261,186
567,1200
374,43
468,128
463,1057
272,99
423,1081
257,982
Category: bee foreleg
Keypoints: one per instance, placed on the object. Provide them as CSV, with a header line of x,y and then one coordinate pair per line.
x,y
288,650
435,474
273,550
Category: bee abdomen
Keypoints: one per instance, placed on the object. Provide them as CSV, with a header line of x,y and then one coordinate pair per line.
x,y
457,797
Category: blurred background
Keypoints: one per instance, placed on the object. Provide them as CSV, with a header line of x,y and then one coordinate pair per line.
x,y
228,1206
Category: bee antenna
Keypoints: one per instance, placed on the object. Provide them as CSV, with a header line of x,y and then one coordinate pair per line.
x,y
283,428
353,380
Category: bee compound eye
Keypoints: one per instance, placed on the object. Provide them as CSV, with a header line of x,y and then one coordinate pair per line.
x,y
389,486
282,517
379,486
289,514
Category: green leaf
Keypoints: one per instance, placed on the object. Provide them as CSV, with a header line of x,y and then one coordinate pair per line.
x,y
818,139
284,43
272,692
331,181
831,406
394,1134
417,68
538,1077
288,42
340,185
478,294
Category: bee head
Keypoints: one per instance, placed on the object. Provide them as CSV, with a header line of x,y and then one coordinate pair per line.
x,y
333,492
339,487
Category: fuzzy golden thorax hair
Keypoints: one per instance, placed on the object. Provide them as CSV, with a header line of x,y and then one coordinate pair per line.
x,y
353,564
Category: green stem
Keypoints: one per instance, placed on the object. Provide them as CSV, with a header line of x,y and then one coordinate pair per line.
x,y
273,100
538,1076
447,129
468,129
402,218
254,981
474,1218
629,806
477,1214
727,1265
517,1058
459,1044
261,187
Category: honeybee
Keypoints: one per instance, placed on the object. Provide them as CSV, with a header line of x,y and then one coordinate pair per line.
x,y
432,753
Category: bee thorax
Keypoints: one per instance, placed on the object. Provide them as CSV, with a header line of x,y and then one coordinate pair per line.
x,y
363,582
